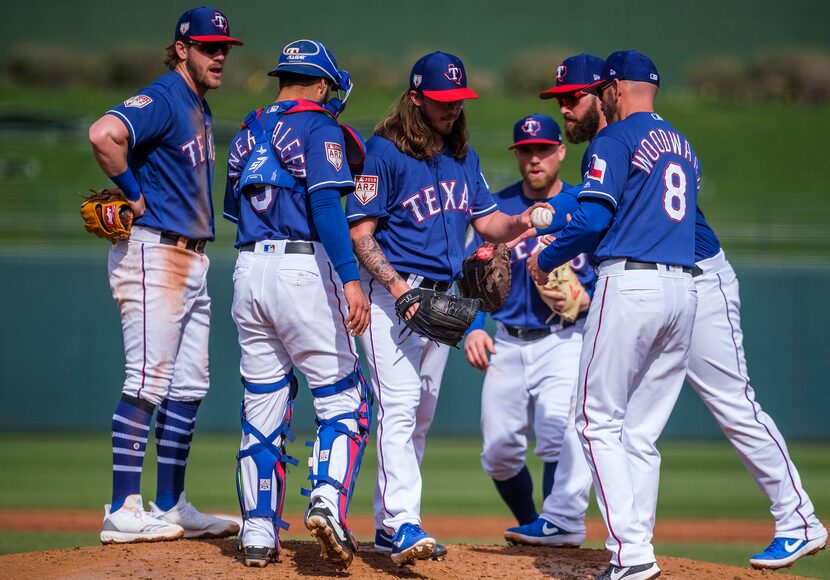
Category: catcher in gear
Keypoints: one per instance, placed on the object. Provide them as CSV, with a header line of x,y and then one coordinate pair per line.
x,y
406,241
535,352
107,214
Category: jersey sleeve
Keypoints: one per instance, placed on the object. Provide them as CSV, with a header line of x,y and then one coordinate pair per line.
x,y
146,116
371,190
607,173
483,201
326,159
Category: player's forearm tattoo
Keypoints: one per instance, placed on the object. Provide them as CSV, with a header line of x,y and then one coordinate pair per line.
x,y
374,260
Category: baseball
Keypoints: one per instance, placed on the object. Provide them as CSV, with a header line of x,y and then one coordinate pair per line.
x,y
541,217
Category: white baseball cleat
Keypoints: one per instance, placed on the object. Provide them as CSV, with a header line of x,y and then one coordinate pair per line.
x,y
195,523
130,523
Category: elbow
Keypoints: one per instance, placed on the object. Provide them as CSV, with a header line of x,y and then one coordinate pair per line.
x,y
98,135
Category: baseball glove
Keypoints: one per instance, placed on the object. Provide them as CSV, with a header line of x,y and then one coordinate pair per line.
x,y
440,317
486,275
564,280
107,214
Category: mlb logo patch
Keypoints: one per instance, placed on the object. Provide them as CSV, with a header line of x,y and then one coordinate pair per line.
x,y
597,169
365,188
334,153
138,101
264,485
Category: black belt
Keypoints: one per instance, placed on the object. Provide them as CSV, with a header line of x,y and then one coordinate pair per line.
x,y
527,333
697,271
290,248
633,265
425,282
173,239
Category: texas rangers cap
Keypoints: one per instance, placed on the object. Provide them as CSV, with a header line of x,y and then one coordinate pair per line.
x,y
311,58
441,77
626,65
205,25
574,74
536,129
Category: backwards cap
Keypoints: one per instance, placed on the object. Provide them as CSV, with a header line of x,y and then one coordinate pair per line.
x,y
626,65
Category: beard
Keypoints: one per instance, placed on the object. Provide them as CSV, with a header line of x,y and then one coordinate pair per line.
x,y
609,109
585,128
201,75
541,182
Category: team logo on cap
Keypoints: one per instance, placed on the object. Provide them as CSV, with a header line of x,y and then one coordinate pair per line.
x,y
184,27
531,126
220,22
454,74
561,71
416,80
597,169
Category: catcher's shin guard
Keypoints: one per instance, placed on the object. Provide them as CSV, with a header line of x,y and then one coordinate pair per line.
x,y
269,457
330,430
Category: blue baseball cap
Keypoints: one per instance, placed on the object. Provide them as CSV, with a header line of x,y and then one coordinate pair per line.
x,y
205,25
626,65
311,58
574,74
441,77
536,129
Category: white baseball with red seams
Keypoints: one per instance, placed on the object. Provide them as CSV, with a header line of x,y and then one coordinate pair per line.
x,y
541,217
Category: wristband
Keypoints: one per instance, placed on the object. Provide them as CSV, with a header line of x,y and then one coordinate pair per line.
x,y
127,183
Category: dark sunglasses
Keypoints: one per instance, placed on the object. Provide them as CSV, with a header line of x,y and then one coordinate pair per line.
x,y
570,101
211,48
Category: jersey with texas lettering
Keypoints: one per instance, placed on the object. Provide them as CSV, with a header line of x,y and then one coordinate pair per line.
x,y
171,154
308,143
650,174
424,207
523,306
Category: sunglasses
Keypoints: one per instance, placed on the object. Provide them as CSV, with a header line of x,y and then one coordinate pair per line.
x,y
211,48
570,101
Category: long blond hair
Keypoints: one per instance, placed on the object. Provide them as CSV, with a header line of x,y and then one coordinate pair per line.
x,y
407,127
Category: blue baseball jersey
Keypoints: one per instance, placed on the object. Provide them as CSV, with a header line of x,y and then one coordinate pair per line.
x,y
706,242
423,207
650,174
171,153
523,306
308,143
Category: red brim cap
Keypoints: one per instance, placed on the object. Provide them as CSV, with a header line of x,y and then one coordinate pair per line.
x,y
561,90
535,142
594,88
452,95
217,38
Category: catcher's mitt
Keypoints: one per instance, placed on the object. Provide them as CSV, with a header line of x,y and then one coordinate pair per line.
x,y
564,280
440,316
487,275
107,214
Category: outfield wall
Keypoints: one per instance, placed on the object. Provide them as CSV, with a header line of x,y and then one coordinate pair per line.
x,y
61,358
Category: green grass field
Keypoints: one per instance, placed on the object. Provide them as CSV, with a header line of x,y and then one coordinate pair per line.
x,y
764,187
699,481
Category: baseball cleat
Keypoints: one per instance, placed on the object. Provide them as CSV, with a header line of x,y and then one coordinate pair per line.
x,y
411,543
258,556
195,523
783,552
641,572
384,545
131,523
337,545
543,533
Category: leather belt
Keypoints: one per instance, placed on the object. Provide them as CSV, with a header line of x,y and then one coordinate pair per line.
x,y
527,333
697,271
290,248
418,281
634,265
173,239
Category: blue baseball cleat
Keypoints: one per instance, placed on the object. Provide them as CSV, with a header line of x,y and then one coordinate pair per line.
x,y
384,545
782,552
411,543
543,533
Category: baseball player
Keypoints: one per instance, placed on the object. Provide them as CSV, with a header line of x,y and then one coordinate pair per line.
x,y
420,189
635,215
535,357
298,302
157,146
717,372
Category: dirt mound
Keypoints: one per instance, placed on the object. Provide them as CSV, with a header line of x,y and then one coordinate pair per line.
x,y
219,559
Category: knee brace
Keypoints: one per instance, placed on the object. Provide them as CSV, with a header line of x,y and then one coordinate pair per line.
x,y
330,430
269,456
